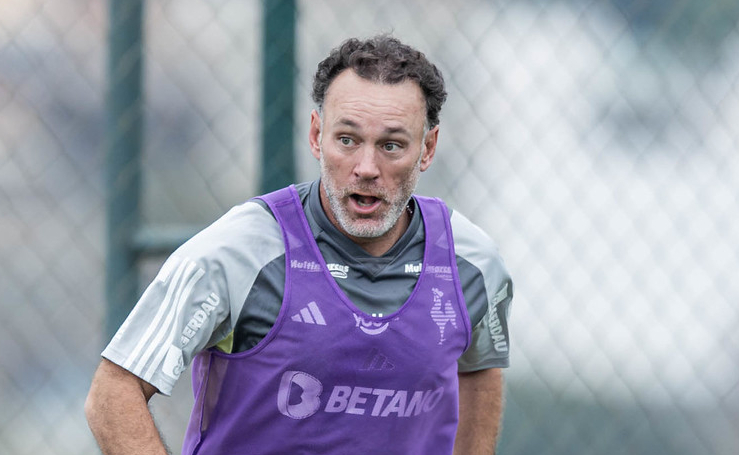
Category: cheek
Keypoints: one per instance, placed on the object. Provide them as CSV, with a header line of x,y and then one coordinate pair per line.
x,y
333,167
404,175
338,161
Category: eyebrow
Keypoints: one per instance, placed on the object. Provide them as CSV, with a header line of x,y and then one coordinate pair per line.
x,y
347,122
390,130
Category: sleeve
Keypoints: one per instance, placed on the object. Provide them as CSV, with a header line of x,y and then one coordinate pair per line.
x,y
488,291
490,338
195,298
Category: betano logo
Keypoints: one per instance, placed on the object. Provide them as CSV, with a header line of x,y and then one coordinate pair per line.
x,y
310,390
297,385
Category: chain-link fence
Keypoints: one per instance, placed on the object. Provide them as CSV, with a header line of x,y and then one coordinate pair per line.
x,y
597,142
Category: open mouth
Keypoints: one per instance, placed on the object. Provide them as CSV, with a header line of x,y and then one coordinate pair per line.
x,y
364,201
364,205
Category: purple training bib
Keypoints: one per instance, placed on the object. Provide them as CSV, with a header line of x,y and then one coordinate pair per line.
x,y
331,379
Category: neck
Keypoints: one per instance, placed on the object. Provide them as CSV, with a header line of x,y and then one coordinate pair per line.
x,y
377,246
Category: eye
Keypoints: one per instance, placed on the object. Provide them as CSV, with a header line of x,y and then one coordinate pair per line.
x,y
346,141
391,147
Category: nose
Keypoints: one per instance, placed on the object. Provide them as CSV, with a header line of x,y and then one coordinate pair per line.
x,y
366,166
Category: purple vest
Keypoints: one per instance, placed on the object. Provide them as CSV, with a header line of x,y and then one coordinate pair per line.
x,y
331,379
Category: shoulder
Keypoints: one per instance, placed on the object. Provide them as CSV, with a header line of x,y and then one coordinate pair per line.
x,y
234,249
474,245
477,249
248,219
248,227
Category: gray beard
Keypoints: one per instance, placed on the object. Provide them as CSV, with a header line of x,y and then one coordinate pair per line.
x,y
367,228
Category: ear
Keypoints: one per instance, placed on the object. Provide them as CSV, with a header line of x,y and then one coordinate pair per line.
x,y
314,134
429,149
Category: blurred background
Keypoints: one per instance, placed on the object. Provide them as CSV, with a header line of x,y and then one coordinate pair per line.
x,y
596,141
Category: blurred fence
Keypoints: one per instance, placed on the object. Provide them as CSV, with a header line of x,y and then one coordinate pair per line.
x,y
597,142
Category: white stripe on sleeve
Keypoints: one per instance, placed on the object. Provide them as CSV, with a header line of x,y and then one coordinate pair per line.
x,y
183,288
171,327
184,268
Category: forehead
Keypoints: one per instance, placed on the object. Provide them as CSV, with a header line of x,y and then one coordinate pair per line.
x,y
350,97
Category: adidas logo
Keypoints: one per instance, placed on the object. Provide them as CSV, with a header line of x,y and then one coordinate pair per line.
x,y
309,315
377,361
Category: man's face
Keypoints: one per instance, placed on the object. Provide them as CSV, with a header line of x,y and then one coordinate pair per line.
x,y
372,148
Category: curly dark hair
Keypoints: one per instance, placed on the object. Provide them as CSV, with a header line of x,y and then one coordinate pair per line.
x,y
383,59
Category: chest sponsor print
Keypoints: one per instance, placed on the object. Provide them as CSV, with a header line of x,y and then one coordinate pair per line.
x,y
371,327
413,268
299,397
443,314
338,270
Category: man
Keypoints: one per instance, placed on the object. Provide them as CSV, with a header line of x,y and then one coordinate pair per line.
x,y
339,316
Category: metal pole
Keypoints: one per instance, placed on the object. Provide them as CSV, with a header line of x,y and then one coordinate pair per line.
x,y
123,156
278,94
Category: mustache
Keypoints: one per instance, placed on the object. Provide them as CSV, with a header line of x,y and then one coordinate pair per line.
x,y
365,189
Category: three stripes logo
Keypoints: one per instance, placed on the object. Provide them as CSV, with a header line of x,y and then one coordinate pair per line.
x,y
309,315
377,361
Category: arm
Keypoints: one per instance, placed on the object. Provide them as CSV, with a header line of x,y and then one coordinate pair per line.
x,y
118,415
480,411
